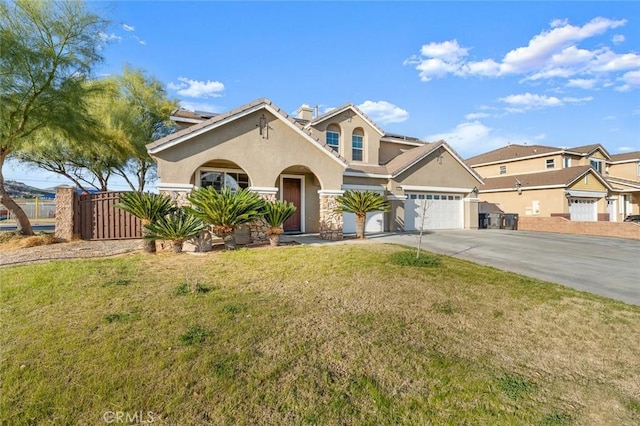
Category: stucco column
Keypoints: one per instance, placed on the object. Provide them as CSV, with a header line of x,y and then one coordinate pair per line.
x,y
65,212
258,228
330,222
471,213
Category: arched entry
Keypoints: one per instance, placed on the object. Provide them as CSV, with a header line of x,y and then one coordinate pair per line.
x,y
300,186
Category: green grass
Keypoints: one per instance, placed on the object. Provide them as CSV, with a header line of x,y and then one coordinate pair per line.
x,y
310,335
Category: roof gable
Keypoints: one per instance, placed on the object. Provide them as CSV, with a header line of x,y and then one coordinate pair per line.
x,y
341,109
626,157
587,150
552,179
235,114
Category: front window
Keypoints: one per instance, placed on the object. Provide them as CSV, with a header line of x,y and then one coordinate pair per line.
x,y
357,146
333,140
567,162
596,164
551,164
503,170
220,180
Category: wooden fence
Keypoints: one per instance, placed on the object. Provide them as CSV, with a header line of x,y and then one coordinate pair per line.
x,y
97,218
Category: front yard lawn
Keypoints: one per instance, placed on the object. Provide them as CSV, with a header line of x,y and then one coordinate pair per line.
x,y
309,335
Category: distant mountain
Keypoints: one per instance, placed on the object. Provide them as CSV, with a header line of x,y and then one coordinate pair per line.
x,y
21,190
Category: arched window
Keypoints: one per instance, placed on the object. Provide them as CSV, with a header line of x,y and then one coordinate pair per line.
x,y
357,145
333,137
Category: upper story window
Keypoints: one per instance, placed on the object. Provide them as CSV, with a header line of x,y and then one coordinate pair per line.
x,y
596,164
551,163
333,137
224,179
567,162
357,145
503,170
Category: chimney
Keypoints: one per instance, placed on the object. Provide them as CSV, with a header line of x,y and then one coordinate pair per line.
x,y
305,112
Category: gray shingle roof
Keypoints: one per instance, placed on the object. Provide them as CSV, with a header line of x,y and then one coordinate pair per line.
x,y
528,180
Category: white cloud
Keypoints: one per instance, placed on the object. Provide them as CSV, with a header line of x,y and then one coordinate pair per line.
x,y
609,117
476,115
552,54
528,101
582,83
626,149
128,27
384,112
197,89
618,38
573,100
104,37
139,40
473,137
631,80
200,106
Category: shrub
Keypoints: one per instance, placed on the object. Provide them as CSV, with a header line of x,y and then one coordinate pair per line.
x,y
408,258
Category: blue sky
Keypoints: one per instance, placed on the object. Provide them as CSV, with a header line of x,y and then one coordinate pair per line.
x,y
478,74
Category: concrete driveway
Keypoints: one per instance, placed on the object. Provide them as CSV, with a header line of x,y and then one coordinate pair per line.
x,y
606,266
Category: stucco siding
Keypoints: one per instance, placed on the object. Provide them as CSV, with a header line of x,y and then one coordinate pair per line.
x,y
531,165
431,171
262,158
540,202
348,122
628,171
592,184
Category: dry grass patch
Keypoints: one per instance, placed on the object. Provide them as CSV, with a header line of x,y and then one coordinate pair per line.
x,y
326,335
10,240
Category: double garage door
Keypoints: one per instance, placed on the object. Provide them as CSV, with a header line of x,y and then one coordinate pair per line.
x,y
435,211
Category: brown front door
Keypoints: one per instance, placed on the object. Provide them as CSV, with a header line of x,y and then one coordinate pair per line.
x,y
291,192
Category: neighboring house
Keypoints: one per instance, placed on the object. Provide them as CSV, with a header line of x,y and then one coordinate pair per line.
x,y
310,160
583,183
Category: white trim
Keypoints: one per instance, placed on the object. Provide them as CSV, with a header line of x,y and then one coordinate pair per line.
x,y
528,157
302,197
330,192
396,197
364,174
585,194
633,160
175,187
186,120
264,189
524,188
434,189
379,188
400,141
471,200
241,114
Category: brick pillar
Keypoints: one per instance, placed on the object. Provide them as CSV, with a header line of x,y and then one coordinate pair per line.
x,y
330,221
65,212
258,228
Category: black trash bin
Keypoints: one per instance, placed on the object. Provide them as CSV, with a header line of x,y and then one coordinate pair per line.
x,y
496,221
483,220
511,221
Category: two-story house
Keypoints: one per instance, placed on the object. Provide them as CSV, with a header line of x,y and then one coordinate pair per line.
x,y
311,159
582,183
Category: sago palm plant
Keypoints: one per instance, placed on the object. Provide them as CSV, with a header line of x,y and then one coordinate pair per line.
x,y
148,208
276,214
225,210
176,227
361,203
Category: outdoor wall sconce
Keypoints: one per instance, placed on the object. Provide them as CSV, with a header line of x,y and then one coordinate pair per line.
x,y
263,126
518,186
475,191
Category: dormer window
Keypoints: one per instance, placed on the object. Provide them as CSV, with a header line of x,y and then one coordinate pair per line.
x,y
357,145
567,162
596,164
333,137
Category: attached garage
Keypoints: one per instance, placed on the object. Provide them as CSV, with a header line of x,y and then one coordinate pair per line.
x,y
440,211
584,209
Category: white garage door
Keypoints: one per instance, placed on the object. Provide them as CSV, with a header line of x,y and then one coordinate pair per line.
x,y
584,209
374,223
441,211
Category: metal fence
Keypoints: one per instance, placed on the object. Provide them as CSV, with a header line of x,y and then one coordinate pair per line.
x,y
35,208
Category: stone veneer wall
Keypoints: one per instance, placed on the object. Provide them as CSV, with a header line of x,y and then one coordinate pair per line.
x,y
330,221
258,228
65,212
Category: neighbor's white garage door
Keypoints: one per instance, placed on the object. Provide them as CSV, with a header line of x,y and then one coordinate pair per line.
x,y
584,209
374,223
443,211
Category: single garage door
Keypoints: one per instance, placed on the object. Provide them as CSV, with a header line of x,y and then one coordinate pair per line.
x,y
441,211
374,223
583,209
